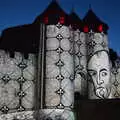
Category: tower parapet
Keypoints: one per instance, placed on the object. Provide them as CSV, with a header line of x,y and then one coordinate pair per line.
x,y
59,65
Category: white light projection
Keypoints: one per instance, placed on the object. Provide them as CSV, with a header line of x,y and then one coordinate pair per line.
x,y
99,71
98,66
115,78
17,80
25,115
59,88
80,81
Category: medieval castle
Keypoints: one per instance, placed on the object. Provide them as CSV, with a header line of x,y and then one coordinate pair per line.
x,y
47,65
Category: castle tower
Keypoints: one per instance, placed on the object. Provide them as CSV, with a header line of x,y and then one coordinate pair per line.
x,y
79,38
98,64
59,65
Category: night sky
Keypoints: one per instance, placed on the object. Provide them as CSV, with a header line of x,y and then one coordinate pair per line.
x,y
19,12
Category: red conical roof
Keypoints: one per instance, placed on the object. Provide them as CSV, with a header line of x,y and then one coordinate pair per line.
x,y
52,13
94,22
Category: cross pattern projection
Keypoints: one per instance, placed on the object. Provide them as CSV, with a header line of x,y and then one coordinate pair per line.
x,y
59,67
66,58
17,76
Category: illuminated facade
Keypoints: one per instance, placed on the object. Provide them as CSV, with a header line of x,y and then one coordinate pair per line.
x,y
43,64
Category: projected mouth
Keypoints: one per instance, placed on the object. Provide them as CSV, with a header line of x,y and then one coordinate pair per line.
x,y
101,92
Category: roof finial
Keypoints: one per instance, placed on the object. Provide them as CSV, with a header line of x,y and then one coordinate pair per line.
x,y
90,7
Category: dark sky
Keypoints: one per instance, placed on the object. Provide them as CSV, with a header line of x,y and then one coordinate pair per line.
x,y
18,12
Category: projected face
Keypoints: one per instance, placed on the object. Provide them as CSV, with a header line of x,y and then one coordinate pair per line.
x,y
98,69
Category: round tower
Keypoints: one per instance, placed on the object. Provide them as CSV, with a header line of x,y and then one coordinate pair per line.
x,y
98,65
59,65
79,45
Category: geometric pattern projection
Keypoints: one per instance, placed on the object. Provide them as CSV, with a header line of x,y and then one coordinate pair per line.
x,y
63,57
96,42
59,68
80,62
115,78
17,76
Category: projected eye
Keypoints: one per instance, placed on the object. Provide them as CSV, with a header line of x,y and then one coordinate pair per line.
x,y
104,74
